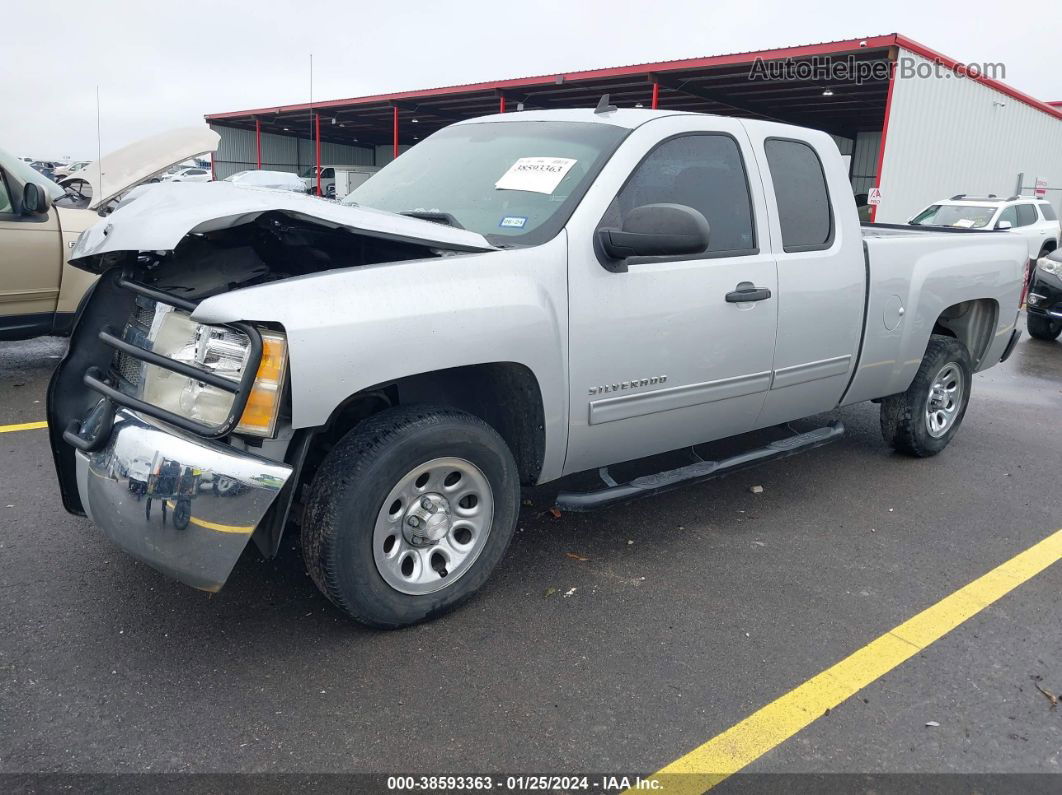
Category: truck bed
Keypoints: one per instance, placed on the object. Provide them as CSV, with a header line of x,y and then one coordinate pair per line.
x,y
910,271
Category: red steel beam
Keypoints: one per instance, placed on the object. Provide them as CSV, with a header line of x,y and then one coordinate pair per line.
x,y
656,94
501,104
884,133
317,147
258,139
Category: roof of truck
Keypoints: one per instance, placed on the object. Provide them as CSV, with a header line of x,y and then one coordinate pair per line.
x,y
622,117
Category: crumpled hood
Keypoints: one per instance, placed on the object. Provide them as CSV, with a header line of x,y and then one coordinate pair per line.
x,y
123,168
159,220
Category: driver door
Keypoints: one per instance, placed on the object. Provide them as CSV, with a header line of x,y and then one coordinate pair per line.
x,y
31,264
659,358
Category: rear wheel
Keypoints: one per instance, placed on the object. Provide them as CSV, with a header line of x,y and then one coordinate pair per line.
x,y
922,421
409,514
1043,328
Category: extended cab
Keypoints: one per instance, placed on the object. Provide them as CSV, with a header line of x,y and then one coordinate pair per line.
x,y
516,298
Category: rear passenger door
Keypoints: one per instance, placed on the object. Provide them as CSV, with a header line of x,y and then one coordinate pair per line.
x,y
818,245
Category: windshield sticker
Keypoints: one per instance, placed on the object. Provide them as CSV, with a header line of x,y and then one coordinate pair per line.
x,y
513,222
965,223
535,174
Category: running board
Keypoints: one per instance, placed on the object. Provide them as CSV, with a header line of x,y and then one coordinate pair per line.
x,y
694,473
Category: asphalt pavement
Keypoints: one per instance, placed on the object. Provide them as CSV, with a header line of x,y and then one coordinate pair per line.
x,y
612,641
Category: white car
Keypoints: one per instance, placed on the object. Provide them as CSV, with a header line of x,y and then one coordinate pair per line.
x,y
1035,220
70,168
260,178
189,175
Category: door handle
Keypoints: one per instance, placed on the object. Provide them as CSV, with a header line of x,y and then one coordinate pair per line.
x,y
747,291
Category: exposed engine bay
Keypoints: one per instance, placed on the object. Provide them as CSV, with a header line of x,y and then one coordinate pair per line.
x,y
272,247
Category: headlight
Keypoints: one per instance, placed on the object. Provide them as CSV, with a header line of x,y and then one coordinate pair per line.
x,y
223,352
1052,266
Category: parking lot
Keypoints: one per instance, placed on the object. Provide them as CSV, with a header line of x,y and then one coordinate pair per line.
x,y
615,641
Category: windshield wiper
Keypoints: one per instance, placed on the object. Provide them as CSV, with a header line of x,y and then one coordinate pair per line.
x,y
437,217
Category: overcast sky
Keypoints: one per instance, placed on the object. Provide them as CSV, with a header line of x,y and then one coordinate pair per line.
x,y
162,64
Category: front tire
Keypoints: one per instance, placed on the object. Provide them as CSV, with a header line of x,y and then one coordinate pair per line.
x,y
922,421
1043,328
409,514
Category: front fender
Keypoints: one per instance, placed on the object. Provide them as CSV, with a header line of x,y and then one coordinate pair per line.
x,y
354,328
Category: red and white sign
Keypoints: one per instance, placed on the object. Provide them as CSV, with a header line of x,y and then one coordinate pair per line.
x,y
874,197
1041,187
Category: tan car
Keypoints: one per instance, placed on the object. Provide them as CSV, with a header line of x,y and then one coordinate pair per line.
x,y
40,221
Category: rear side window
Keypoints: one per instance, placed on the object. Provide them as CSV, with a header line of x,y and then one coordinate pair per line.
x,y
804,210
1048,212
703,171
1026,215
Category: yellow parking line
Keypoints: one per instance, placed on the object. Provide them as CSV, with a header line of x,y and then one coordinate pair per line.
x,y
743,743
25,426
219,528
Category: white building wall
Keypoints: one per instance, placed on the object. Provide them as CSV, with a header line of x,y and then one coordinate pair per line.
x,y
955,135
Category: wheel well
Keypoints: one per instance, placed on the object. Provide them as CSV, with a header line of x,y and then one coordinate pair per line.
x,y
1049,246
505,395
972,323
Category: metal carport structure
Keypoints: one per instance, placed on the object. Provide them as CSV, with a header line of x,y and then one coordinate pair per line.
x,y
845,88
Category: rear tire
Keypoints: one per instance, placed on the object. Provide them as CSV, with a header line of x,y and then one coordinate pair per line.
x,y
391,536
1043,328
922,421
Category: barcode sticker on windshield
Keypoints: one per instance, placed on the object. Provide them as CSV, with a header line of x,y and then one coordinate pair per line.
x,y
535,174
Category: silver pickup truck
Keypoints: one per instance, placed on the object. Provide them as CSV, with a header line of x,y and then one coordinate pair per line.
x,y
516,298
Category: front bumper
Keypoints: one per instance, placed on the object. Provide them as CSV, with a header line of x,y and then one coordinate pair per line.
x,y
1045,295
184,505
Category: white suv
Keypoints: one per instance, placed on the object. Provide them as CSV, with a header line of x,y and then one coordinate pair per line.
x,y
1033,219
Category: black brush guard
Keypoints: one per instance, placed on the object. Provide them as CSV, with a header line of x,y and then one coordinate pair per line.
x,y
83,395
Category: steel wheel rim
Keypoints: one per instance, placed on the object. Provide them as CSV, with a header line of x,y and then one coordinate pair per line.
x,y
944,399
433,525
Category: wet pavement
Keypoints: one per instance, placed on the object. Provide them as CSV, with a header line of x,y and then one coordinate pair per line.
x,y
613,641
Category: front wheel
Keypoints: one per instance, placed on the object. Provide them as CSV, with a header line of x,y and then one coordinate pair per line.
x,y
1043,328
921,421
409,514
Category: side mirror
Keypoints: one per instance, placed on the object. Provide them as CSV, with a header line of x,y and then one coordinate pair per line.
x,y
1004,225
34,199
656,230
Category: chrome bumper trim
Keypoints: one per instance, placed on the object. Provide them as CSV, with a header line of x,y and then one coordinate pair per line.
x,y
184,505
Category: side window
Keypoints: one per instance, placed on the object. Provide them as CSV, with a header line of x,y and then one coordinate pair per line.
x,y
1048,212
703,171
5,197
1009,214
328,173
1026,215
804,210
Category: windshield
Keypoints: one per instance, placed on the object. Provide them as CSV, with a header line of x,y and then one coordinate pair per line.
x,y
513,182
310,172
963,216
23,173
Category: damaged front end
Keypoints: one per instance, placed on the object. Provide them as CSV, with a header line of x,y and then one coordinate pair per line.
x,y
171,434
